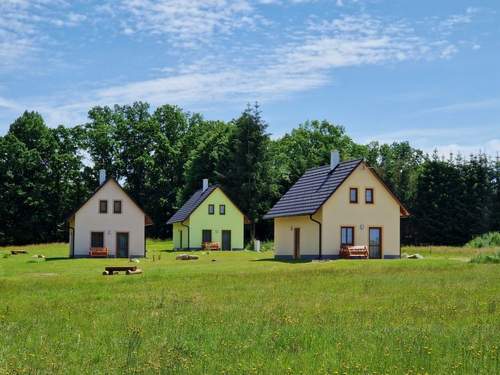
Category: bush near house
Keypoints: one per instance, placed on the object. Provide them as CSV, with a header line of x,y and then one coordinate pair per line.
x,y
491,239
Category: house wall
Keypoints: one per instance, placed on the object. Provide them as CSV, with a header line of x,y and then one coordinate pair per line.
x,y
284,235
233,220
88,219
177,229
338,212
384,213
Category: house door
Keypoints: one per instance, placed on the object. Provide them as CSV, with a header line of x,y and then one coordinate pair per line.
x,y
375,242
180,234
122,245
226,240
296,243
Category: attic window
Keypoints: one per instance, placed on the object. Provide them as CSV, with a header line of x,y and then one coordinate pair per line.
x,y
211,209
103,207
353,195
117,207
222,209
369,196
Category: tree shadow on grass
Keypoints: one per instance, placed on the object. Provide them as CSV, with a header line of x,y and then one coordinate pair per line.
x,y
57,258
291,261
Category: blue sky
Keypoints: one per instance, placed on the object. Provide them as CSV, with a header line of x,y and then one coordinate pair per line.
x,y
423,71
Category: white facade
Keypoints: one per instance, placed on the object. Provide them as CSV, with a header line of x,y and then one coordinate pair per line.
x,y
88,219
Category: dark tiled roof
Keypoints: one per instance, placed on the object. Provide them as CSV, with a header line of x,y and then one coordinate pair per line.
x,y
192,203
312,190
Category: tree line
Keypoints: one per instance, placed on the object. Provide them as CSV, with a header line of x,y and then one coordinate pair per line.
x,y
160,157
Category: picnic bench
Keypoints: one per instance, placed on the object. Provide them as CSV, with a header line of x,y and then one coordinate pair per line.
x,y
16,252
354,252
211,246
129,270
99,252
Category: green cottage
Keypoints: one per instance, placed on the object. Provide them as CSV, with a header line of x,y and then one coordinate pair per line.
x,y
209,216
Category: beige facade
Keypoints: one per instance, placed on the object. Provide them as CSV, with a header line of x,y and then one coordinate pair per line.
x,y
338,212
130,222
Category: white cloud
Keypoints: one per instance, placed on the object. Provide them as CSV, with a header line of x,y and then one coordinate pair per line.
x,y
21,23
305,62
463,140
466,106
187,22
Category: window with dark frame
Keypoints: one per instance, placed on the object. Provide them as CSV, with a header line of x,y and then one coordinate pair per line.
x,y
97,239
117,207
211,209
103,207
206,235
347,236
369,196
353,195
222,209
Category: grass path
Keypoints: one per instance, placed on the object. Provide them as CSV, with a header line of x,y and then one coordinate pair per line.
x,y
242,312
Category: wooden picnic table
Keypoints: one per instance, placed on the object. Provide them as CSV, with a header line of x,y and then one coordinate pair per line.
x,y
129,270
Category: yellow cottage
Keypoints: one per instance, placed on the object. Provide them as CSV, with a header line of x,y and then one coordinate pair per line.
x,y
208,217
341,205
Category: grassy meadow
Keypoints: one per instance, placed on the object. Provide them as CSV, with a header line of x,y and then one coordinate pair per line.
x,y
244,313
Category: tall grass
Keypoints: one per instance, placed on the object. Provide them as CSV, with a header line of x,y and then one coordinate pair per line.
x,y
247,314
487,258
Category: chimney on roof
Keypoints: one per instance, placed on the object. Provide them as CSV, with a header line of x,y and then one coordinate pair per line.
x,y
102,176
205,184
334,159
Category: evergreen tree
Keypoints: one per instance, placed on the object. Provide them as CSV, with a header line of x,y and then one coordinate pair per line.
x,y
248,176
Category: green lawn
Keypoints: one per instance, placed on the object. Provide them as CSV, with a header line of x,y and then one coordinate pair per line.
x,y
246,313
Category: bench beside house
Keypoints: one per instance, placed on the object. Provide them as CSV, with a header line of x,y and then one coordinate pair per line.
x,y
108,224
345,205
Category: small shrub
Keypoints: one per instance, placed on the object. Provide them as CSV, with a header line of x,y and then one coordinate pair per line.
x,y
487,258
491,239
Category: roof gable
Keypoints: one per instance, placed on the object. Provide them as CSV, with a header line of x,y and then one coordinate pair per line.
x,y
309,193
147,220
195,201
315,187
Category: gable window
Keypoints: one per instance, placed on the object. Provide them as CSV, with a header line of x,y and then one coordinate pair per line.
x,y
103,207
347,236
353,195
117,207
369,196
222,209
206,235
211,209
97,239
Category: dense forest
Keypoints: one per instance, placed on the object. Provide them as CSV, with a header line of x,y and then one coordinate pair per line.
x,y
161,157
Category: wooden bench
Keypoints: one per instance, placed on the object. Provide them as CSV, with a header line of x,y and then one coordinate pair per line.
x,y
211,246
16,252
354,252
129,270
99,252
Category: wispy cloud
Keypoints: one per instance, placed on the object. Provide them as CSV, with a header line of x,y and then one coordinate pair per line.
x,y
466,106
186,23
21,23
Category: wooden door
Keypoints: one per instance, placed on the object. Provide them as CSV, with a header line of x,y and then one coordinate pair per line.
x,y
296,243
375,242
226,240
122,245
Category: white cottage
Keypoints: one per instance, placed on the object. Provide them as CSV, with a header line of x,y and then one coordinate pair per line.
x,y
109,223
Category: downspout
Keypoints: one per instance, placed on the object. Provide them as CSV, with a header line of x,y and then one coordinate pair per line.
x,y
320,230
187,226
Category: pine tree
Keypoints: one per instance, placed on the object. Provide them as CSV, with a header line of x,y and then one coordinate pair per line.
x,y
249,179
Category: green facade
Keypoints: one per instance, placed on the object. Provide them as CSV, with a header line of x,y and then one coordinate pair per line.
x,y
231,223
